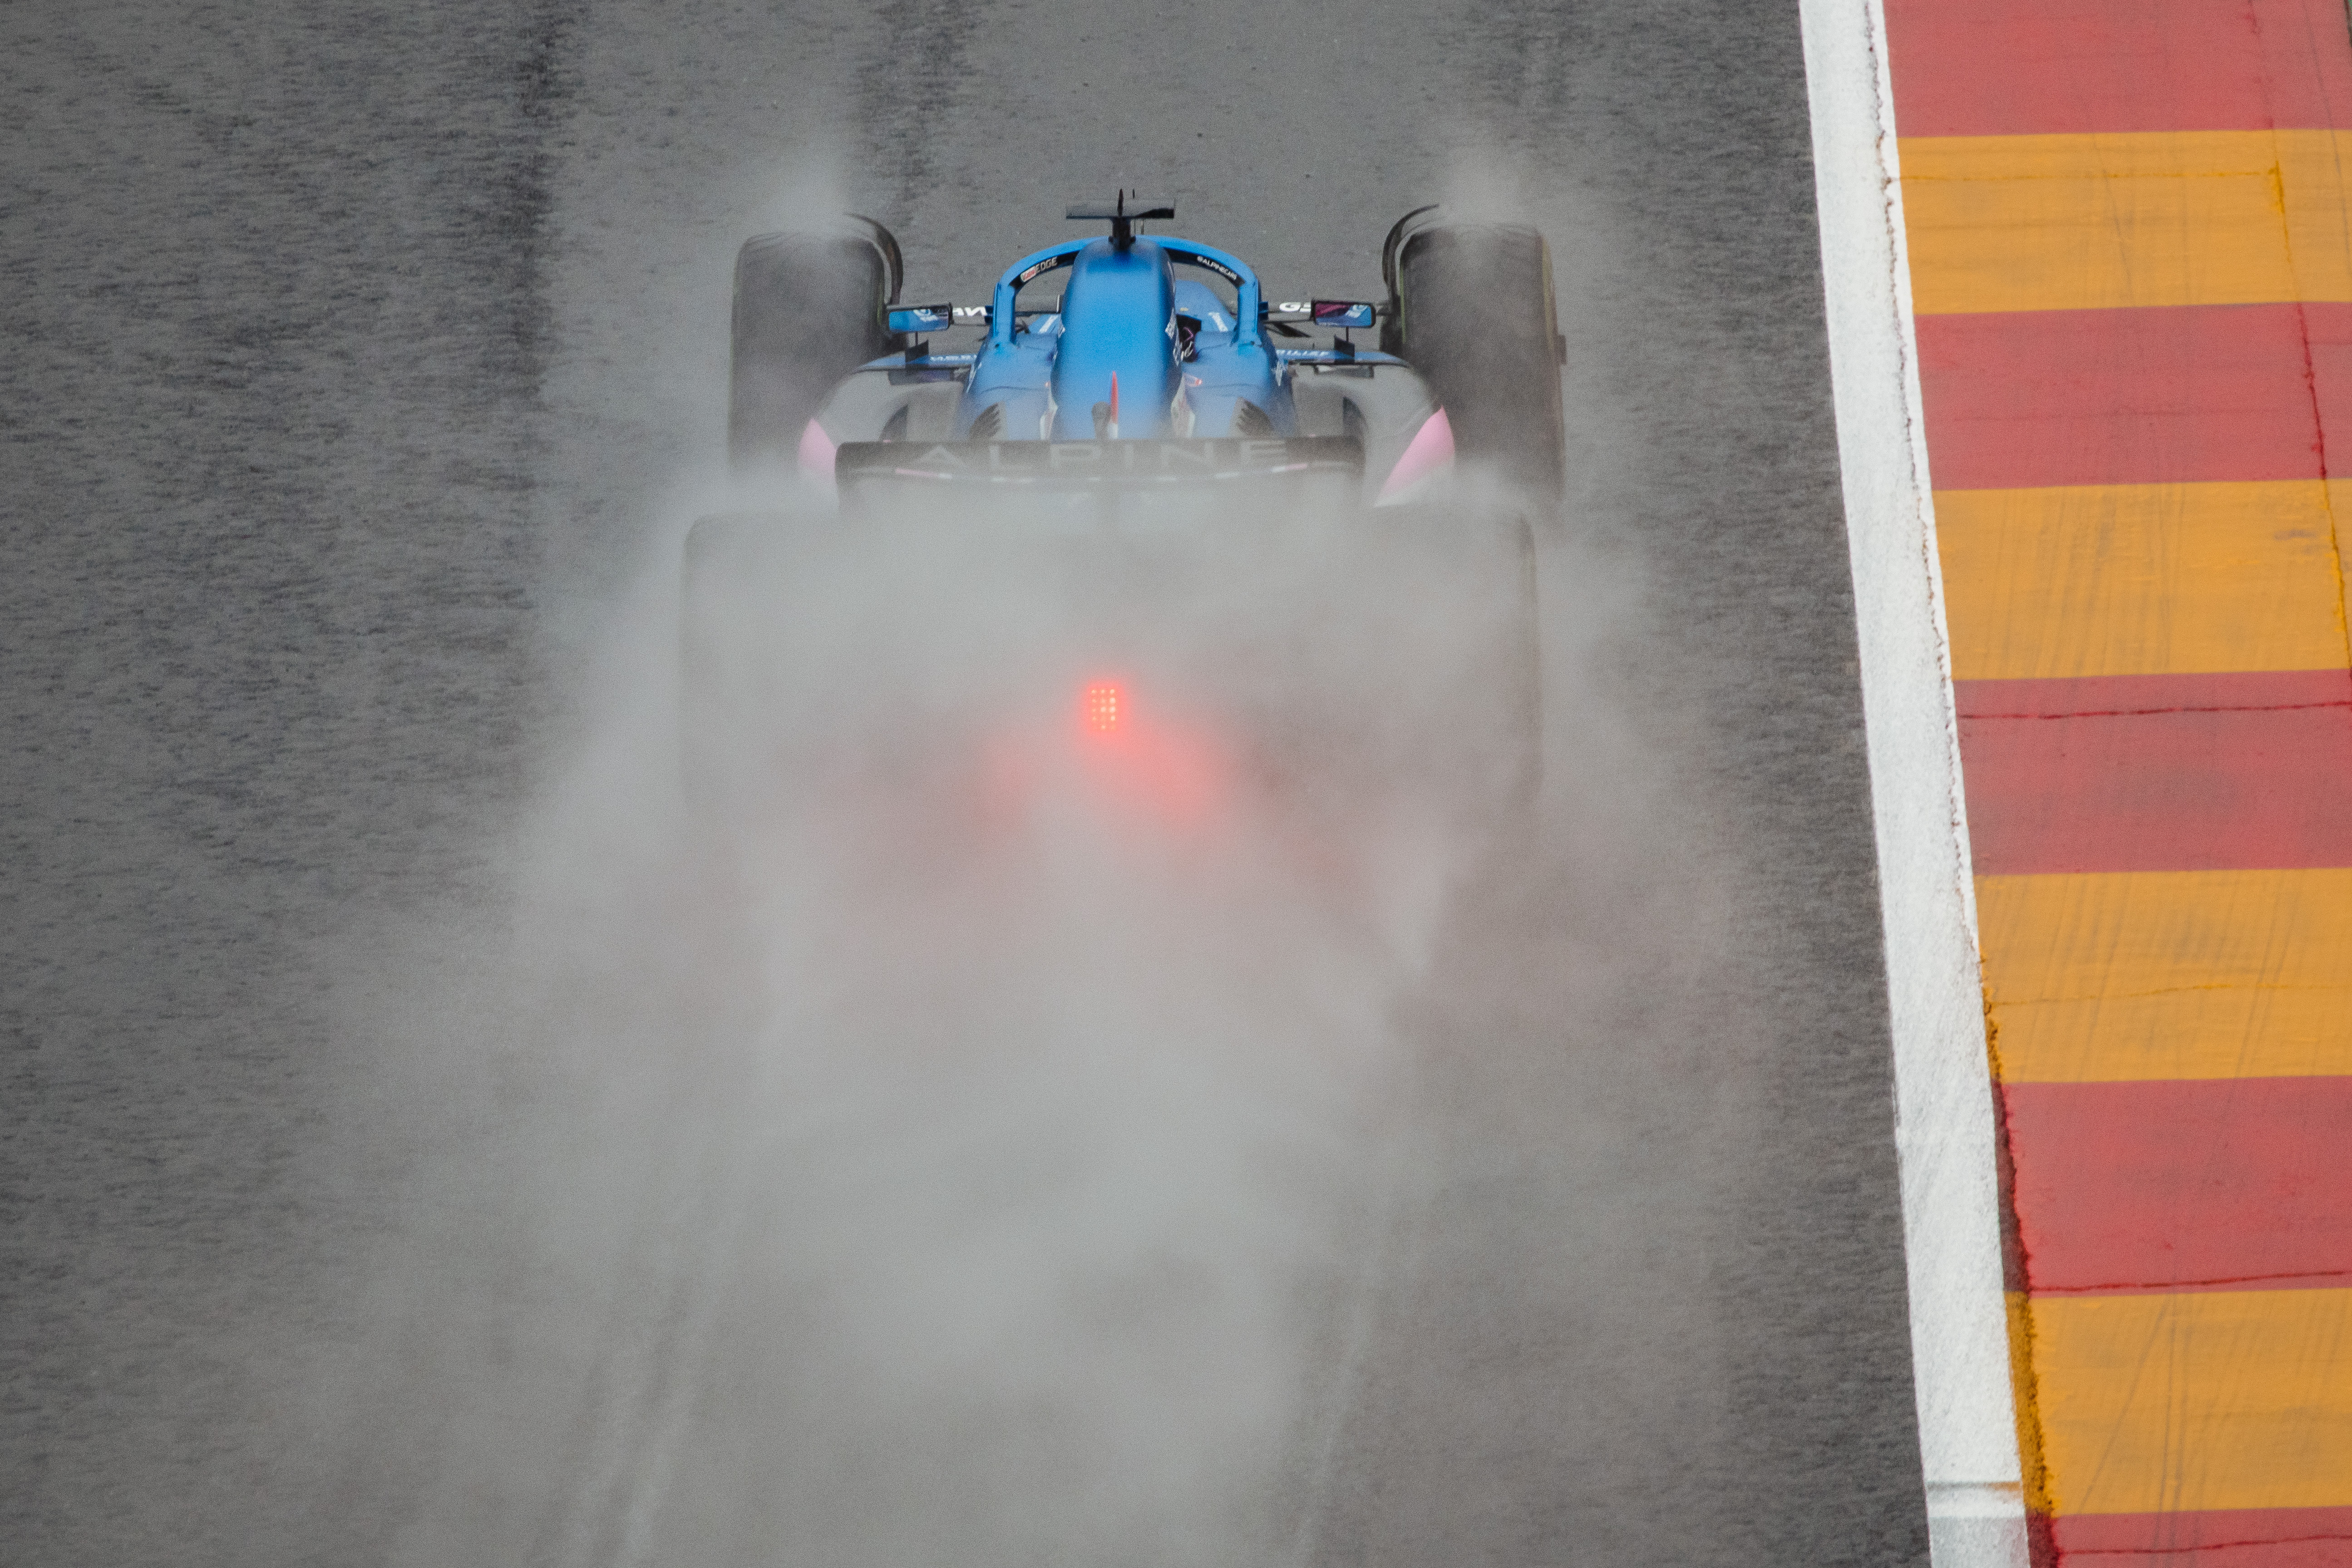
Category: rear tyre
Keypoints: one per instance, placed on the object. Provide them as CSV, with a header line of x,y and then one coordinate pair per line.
x,y
733,567
1449,601
1523,673
809,308
1514,666
1471,309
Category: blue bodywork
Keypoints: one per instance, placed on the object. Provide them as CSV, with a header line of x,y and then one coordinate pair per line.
x,y
1183,361
1153,340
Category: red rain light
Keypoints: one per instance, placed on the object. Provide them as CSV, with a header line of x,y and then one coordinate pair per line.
x,y
1102,707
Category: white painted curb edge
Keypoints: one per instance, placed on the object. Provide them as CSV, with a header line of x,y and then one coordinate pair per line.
x,y
1944,1112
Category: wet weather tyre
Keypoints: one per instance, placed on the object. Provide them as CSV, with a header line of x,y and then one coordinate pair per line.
x,y
1473,313
731,563
809,308
1521,676
1467,641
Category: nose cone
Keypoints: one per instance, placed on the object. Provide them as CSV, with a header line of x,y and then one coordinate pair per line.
x,y
1119,320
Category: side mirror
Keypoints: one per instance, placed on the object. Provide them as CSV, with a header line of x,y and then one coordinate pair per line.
x,y
923,319
1342,314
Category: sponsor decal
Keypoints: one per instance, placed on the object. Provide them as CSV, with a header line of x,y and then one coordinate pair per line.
x,y
1030,274
1209,264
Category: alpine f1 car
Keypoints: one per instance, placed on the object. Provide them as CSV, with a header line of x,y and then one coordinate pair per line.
x,y
1252,526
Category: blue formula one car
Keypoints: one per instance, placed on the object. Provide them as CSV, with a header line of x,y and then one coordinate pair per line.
x,y
1326,546
1152,340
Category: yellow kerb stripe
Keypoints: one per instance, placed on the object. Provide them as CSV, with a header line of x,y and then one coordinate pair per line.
x,y
2141,579
2166,217
2169,974
2224,1399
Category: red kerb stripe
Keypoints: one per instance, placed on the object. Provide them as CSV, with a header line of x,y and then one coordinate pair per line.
x,y
2225,1537
2228,1184
2157,772
2009,67
2181,394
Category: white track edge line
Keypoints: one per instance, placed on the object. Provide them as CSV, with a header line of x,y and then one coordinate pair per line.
x,y
1944,1107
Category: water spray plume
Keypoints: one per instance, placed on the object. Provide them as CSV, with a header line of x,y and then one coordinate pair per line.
x,y
915,1145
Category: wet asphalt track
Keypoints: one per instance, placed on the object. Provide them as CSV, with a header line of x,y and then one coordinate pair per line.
x,y
350,350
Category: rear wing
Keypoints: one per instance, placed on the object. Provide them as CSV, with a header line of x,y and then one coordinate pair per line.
x,y
1062,465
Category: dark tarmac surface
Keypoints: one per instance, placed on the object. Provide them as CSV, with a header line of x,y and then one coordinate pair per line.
x,y
355,355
